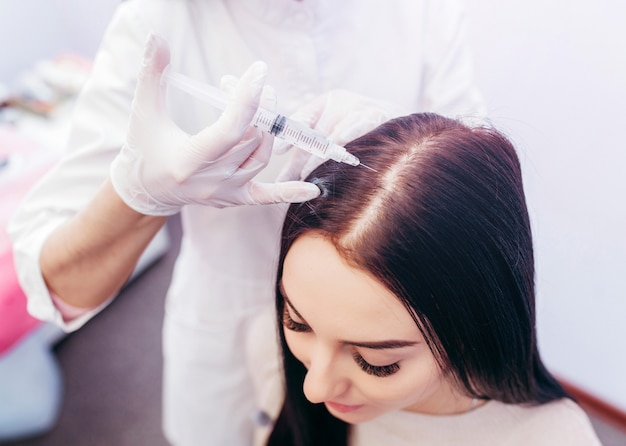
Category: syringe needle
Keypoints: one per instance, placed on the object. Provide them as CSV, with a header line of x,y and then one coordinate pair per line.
x,y
368,167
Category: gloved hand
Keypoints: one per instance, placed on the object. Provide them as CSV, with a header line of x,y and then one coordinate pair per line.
x,y
342,116
161,168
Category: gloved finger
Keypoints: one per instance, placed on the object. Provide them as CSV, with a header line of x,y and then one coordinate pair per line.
x,y
311,164
358,124
299,166
347,116
149,91
228,83
268,100
308,115
261,155
232,162
293,168
281,146
327,120
259,158
220,137
289,192
246,98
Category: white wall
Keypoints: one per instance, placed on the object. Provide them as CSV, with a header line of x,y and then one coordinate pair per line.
x,y
33,29
554,75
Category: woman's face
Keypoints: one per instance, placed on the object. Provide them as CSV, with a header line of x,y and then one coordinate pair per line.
x,y
363,352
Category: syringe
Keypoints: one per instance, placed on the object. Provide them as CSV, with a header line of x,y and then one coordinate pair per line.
x,y
295,133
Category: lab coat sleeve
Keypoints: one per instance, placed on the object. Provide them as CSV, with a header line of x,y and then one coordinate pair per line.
x,y
449,83
97,132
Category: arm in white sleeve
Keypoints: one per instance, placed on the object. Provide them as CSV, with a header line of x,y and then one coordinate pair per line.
x,y
97,132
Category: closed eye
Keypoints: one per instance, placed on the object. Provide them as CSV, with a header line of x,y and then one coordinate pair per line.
x,y
292,325
380,371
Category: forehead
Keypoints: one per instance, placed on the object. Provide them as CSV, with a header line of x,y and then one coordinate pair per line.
x,y
330,293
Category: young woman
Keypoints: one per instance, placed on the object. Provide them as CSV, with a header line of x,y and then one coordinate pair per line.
x,y
406,301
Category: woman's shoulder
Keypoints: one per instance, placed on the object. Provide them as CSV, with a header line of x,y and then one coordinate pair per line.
x,y
558,422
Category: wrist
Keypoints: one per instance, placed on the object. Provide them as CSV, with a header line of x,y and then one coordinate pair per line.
x,y
126,185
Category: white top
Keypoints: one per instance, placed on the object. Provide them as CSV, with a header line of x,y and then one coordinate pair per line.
x,y
557,423
407,52
560,422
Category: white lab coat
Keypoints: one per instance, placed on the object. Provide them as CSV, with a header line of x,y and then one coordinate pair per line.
x,y
408,52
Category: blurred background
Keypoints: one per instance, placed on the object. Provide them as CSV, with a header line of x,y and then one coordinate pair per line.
x,y
554,77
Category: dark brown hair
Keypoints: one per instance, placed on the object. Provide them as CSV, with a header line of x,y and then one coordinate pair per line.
x,y
443,224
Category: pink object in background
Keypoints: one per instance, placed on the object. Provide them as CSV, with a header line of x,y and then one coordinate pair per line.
x,y
15,322
26,164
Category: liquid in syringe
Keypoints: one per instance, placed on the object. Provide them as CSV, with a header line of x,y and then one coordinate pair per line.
x,y
294,133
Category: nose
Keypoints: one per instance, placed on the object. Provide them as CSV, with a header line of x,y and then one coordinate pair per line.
x,y
324,380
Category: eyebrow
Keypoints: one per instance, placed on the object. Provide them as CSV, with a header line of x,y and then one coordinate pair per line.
x,y
383,345
374,345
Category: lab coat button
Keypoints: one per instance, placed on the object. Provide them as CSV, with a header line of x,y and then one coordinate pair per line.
x,y
261,418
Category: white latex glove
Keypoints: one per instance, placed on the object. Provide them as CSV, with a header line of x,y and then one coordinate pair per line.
x,y
342,116
161,168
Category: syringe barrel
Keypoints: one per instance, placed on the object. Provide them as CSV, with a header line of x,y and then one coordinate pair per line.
x,y
293,132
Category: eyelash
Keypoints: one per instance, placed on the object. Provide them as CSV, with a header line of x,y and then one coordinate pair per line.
x,y
374,370
293,325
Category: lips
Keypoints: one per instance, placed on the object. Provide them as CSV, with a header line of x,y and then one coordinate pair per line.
x,y
343,408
